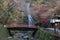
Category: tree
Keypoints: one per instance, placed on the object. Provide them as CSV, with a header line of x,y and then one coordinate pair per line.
x,y
8,12
42,12
37,1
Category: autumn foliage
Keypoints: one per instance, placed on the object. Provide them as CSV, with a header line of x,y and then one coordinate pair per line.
x,y
42,13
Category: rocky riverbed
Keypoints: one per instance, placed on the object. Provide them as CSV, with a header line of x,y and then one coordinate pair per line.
x,y
23,36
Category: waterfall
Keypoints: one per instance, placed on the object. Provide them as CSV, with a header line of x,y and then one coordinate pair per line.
x,y
30,19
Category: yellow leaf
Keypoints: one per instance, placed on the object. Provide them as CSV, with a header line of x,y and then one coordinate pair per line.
x,y
5,3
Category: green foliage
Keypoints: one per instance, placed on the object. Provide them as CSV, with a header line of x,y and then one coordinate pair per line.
x,y
7,12
3,32
50,3
42,35
3,13
37,1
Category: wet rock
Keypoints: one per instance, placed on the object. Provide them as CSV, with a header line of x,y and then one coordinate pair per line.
x,y
23,36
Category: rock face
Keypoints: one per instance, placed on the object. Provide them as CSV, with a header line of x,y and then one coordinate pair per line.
x,y
20,4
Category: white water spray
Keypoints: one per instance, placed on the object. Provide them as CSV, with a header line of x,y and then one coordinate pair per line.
x,y
30,19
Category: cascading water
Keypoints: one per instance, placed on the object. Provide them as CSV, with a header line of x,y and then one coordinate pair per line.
x,y
30,19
